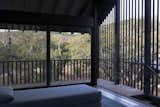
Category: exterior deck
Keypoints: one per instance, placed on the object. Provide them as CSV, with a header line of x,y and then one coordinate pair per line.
x,y
120,89
112,99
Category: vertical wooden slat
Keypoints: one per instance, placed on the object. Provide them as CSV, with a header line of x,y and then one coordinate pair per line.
x,y
157,68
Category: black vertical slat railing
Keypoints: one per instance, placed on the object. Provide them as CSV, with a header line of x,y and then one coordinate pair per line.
x,y
132,37
106,47
133,46
23,73
155,53
71,70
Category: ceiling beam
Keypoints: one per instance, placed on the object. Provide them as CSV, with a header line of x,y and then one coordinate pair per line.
x,y
45,28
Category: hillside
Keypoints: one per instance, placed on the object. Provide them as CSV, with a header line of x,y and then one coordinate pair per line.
x,y
20,45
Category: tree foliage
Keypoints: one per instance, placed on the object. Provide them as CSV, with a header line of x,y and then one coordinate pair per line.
x,y
32,45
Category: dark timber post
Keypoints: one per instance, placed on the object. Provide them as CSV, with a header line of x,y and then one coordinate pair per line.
x,y
117,43
48,69
147,50
95,48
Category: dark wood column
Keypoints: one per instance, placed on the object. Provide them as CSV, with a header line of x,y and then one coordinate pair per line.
x,y
95,49
147,50
48,63
116,59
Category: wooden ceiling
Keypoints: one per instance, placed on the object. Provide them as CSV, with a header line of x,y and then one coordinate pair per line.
x,y
64,13
54,7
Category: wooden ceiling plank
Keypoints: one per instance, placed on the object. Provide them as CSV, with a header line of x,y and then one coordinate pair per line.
x,y
44,19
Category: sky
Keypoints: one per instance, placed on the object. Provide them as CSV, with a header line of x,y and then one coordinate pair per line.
x,y
6,30
3,30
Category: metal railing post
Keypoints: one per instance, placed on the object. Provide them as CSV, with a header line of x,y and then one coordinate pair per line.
x,y
147,50
95,49
117,43
48,68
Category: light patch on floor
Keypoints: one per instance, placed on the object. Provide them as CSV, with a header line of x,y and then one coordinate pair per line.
x,y
127,102
121,89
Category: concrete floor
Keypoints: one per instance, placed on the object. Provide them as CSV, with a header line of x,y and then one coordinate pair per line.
x,y
111,99
121,89
106,102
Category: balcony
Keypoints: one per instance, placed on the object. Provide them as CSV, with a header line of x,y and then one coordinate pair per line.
x,y
32,73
